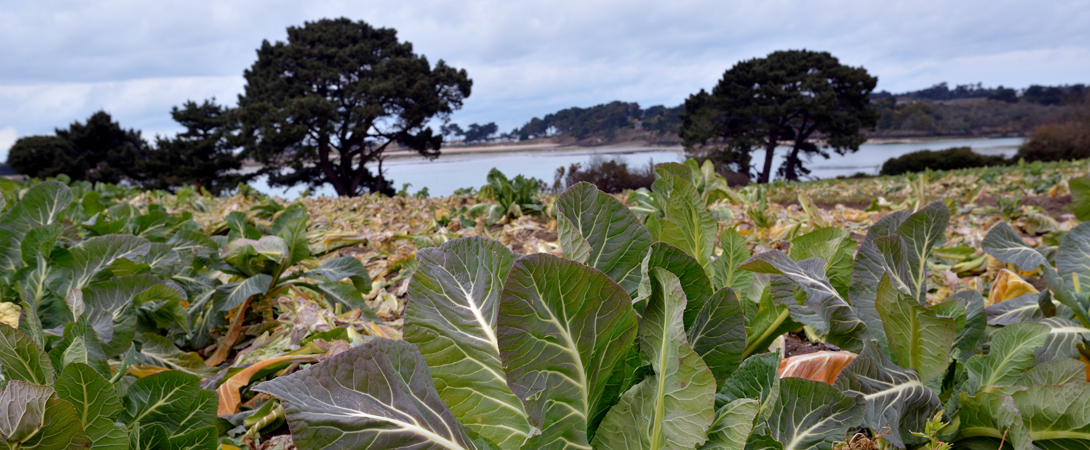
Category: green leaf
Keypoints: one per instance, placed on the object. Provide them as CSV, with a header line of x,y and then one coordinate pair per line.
x,y
1006,245
160,307
838,322
689,226
201,414
376,395
43,204
694,280
111,310
1073,255
61,429
895,397
159,351
1055,372
811,415
674,406
1023,308
1011,354
199,439
344,267
970,324
562,329
294,234
603,232
995,417
1080,197
921,231
757,378
22,359
725,272
96,404
231,295
1062,341
451,317
269,255
765,321
923,339
833,246
718,334
24,407
95,254
163,398
733,423
1057,417
867,271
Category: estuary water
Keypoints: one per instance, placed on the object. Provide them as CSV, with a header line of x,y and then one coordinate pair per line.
x,y
452,171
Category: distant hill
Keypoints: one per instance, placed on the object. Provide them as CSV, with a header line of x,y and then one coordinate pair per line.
x,y
964,110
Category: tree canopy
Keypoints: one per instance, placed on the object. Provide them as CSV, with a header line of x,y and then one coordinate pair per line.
x,y
205,154
788,98
97,151
320,107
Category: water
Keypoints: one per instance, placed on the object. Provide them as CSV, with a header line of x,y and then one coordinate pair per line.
x,y
442,176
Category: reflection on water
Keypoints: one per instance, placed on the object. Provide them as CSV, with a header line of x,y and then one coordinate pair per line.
x,y
451,172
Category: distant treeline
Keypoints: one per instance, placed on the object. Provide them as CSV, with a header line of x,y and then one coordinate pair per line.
x,y
964,110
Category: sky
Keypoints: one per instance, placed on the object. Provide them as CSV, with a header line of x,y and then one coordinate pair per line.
x,y
62,60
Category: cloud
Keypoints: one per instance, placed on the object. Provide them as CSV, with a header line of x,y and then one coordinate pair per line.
x,y
65,59
7,139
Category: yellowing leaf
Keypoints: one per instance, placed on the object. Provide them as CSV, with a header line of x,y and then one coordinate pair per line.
x,y
821,366
1008,285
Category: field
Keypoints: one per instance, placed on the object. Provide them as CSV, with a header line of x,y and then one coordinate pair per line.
x,y
943,307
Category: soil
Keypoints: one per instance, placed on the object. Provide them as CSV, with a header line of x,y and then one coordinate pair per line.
x,y
794,345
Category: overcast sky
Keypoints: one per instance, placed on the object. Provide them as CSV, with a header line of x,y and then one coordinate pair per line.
x,y
62,60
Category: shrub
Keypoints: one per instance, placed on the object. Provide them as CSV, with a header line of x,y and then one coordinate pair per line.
x,y
949,159
1063,142
609,175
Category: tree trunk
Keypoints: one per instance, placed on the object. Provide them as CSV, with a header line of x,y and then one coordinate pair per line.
x,y
770,151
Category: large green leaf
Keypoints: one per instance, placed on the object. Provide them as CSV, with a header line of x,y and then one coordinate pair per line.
x,y
1080,197
832,245
921,231
376,395
61,429
156,350
1011,353
24,407
674,407
451,317
1073,256
43,204
992,418
718,334
269,255
1056,416
694,280
294,234
563,327
95,254
1023,308
725,272
96,404
757,378
111,310
1007,245
599,231
231,295
732,425
164,398
867,271
765,319
1064,337
344,267
924,339
895,397
810,415
967,310
22,359
838,322
689,225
